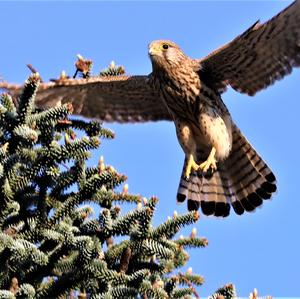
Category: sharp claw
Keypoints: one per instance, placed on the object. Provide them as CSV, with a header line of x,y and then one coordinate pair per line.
x,y
210,163
192,165
188,171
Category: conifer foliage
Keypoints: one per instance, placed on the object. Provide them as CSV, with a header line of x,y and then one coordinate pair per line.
x,y
51,246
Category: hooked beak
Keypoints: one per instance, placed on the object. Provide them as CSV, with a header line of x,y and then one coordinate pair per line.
x,y
153,50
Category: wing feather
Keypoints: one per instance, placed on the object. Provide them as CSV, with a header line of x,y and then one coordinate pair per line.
x,y
112,99
258,57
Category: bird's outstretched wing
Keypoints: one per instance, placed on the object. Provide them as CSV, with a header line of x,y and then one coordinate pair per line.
x,y
113,99
258,57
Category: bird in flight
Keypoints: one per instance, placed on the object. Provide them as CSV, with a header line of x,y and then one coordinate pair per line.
x,y
221,168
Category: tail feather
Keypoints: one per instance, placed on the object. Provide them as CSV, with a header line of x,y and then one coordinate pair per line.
x,y
189,189
250,176
243,180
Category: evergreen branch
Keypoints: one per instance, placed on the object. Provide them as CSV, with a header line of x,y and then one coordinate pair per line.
x,y
147,289
190,278
114,253
26,101
26,290
7,102
151,247
182,293
226,292
50,116
192,242
186,280
4,294
172,226
25,135
123,292
112,70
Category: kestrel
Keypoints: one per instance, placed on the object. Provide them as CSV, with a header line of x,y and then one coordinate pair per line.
x,y
221,168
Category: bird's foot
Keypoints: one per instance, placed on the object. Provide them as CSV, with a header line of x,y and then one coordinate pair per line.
x,y
210,163
191,165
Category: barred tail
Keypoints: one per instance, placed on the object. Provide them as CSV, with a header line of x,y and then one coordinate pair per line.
x,y
243,180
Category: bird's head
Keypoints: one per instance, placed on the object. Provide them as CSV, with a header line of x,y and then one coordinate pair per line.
x,y
165,54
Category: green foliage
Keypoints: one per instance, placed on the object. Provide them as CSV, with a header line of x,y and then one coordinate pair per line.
x,y
51,245
112,70
226,292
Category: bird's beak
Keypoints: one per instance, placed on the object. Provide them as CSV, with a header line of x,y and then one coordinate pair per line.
x,y
153,50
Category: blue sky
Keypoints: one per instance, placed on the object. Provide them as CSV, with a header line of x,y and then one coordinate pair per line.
x,y
260,249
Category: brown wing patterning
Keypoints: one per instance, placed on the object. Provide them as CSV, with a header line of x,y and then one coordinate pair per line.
x,y
112,99
258,57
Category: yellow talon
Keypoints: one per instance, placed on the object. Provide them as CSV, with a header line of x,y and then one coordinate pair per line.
x,y
191,165
211,162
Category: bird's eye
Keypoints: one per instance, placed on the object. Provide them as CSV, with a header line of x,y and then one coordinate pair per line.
x,y
165,46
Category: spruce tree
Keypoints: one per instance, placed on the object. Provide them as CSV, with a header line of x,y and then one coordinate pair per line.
x,y
50,245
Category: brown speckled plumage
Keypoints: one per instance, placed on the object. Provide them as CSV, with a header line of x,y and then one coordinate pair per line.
x,y
188,91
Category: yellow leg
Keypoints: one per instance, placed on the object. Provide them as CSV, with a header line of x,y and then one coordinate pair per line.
x,y
191,165
209,163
